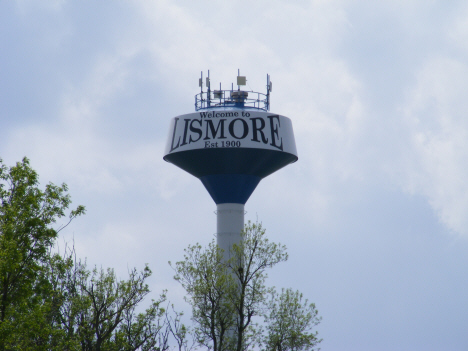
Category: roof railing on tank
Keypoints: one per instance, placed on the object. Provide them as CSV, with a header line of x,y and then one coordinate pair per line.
x,y
232,98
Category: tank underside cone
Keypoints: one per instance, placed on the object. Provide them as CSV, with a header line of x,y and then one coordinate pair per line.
x,y
230,175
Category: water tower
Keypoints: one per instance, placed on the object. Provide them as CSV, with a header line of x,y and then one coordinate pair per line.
x,y
230,143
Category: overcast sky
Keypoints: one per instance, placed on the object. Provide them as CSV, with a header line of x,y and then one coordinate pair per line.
x,y
374,213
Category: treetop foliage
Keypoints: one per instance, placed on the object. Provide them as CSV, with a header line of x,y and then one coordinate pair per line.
x,y
26,235
54,302
229,298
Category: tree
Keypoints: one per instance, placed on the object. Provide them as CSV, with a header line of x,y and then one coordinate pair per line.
x,y
95,311
178,330
248,263
54,302
228,297
27,214
290,320
208,284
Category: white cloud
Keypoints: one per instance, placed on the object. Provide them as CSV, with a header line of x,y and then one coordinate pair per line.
x,y
437,159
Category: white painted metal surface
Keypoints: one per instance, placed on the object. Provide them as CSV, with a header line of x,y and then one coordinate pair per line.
x,y
230,223
231,128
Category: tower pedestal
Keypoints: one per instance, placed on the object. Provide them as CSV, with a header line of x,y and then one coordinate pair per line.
x,y
230,223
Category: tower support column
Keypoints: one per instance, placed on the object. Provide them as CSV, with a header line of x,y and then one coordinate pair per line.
x,y
230,223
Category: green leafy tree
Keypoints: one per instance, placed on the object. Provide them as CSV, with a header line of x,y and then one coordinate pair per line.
x,y
143,331
208,284
178,330
113,302
228,297
96,311
54,302
290,321
27,215
248,263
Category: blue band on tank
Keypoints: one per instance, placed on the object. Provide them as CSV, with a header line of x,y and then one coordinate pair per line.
x,y
230,188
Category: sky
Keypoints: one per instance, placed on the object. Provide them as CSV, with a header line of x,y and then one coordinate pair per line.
x,y
374,211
